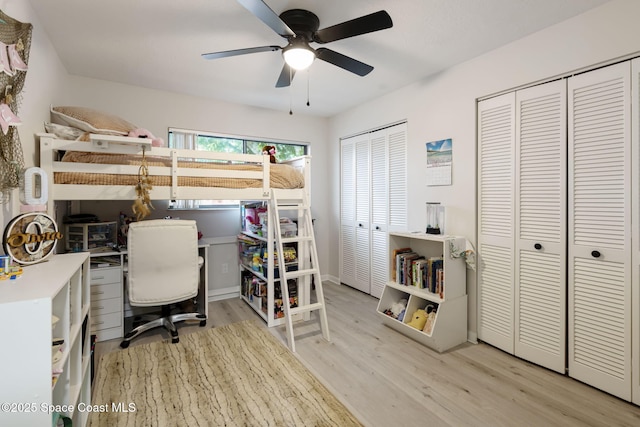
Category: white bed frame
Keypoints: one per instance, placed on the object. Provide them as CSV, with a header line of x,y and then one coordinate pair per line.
x,y
50,146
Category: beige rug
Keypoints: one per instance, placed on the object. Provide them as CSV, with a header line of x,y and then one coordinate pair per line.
x,y
234,375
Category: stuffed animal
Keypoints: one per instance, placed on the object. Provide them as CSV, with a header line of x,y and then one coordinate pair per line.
x,y
431,320
270,150
418,319
143,133
398,307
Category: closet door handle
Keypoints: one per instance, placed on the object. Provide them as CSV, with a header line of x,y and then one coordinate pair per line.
x,y
538,246
377,227
595,254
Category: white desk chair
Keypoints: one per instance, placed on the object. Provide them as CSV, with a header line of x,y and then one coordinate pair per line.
x,y
163,269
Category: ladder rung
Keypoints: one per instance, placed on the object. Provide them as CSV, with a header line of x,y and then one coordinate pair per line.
x,y
291,207
296,239
306,308
299,273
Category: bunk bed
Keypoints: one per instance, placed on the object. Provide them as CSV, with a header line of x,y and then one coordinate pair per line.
x,y
107,168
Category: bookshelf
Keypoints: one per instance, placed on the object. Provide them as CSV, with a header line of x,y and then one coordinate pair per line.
x,y
259,272
443,295
50,301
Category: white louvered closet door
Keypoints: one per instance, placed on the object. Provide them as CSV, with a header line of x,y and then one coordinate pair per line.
x,y
599,229
541,218
635,227
347,263
379,211
496,173
398,184
363,219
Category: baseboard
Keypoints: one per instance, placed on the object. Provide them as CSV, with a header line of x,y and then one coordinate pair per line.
x,y
330,278
224,293
472,337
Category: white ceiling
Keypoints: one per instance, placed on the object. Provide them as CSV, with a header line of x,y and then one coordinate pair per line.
x,y
157,44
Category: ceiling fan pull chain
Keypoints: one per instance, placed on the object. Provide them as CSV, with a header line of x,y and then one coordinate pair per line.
x,y
308,72
290,93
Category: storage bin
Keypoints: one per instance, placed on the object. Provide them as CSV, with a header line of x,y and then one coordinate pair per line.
x,y
92,237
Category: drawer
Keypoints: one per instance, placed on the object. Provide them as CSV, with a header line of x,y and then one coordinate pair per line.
x,y
100,292
100,276
105,321
108,334
106,306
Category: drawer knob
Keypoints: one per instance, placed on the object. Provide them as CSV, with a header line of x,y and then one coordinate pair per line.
x,y
595,254
538,246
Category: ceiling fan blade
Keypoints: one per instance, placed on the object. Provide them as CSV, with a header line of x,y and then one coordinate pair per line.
x,y
286,76
227,53
343,61
365,24
268,16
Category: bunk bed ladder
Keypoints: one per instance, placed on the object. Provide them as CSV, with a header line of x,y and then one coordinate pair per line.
x,y
307,265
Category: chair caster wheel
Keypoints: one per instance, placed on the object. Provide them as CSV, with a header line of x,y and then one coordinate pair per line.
x,y
124,344
175,340
203,323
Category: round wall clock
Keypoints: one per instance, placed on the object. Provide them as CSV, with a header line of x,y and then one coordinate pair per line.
x,y
31,237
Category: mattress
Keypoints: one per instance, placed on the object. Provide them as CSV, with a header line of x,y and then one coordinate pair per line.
x,y
281,175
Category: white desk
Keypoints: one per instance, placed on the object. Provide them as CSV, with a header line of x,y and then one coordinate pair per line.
x,y
109,303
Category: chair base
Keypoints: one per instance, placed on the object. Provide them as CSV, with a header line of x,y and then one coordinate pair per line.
x,y
167,322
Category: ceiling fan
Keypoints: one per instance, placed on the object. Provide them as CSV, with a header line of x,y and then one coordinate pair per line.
x,y
300,27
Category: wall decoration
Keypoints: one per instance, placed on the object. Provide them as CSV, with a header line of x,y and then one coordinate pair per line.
x,y
439,160
30,238
15,42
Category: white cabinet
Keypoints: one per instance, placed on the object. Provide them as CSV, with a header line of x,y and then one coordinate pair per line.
x,y
58,287
107,297
448,326
373,202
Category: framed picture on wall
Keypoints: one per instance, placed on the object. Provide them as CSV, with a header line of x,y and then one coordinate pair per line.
x,y
439,160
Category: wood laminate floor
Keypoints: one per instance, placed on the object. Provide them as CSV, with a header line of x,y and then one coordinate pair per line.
x,y
387,379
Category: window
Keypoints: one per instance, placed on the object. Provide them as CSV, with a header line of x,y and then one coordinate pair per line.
x,y
195,140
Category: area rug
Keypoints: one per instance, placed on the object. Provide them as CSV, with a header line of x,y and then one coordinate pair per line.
x,y
233,375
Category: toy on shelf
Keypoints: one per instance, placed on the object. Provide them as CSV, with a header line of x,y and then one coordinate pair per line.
x,y
397,309
8,270
418,319
431,318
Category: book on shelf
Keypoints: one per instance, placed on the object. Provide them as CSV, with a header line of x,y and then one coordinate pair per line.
x,y
401,261
394,258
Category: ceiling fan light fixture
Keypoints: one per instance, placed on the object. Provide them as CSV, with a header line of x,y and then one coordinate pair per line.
x,y
298,56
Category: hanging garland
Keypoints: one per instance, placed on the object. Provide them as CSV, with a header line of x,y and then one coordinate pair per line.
x,y
15,43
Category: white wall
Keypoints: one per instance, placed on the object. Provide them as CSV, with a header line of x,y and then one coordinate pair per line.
x,y
46,79
158,111
444,106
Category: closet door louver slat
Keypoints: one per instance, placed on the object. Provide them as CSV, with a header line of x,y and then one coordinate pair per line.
x,y
599,229
496,118
540,271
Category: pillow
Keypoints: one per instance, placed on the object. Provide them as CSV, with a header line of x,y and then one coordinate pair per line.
x,y
64,132
90,120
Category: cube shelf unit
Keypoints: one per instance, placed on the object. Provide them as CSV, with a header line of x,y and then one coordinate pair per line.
x,y
269,274
450,326
57,287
